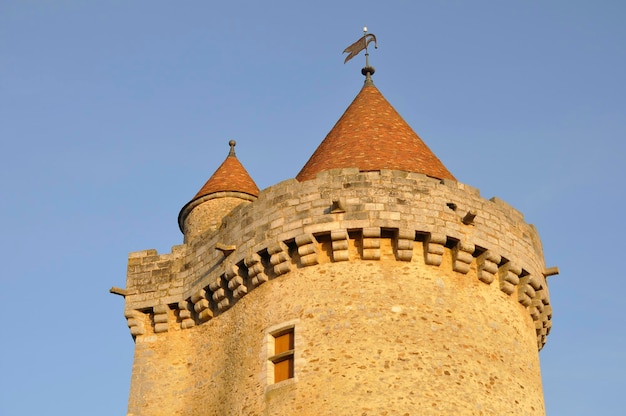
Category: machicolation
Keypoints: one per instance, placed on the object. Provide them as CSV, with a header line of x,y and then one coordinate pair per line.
x,y
342,215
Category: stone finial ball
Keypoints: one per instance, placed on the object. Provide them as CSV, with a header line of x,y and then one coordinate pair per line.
x,y
232,143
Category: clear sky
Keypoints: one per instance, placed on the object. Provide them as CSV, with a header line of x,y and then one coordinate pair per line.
x,y
114,113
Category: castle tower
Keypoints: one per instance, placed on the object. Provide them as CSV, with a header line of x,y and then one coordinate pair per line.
x,y
373,283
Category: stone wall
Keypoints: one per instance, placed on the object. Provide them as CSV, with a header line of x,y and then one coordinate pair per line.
x,y
450,283
204,215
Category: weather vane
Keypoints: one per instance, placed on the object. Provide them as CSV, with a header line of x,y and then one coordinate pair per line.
x,y
354,49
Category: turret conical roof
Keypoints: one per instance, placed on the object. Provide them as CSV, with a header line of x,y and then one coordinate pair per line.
x,y
371,135
230,176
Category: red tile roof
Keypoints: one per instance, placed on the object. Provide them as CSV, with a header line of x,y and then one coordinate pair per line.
x,y
371,135
230,176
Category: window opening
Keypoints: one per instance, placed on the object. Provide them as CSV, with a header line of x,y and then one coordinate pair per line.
x,y
283,357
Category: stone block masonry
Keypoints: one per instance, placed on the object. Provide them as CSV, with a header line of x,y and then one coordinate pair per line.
x,y
384,258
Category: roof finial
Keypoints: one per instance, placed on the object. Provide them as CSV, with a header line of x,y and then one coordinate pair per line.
x,y
354,49
232,145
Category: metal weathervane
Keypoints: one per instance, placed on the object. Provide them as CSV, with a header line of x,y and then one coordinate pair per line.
x,y
354,49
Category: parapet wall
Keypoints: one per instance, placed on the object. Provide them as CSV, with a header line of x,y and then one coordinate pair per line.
x,y
294,225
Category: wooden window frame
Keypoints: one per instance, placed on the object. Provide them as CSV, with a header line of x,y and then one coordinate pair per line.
x,y
284,356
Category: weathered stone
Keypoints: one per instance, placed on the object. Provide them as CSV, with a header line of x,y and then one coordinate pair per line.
x,y
350,283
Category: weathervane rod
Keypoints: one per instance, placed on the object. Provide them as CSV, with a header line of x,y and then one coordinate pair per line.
x,y
367,54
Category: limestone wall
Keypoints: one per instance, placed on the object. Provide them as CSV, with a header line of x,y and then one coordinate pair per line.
x,y
374,253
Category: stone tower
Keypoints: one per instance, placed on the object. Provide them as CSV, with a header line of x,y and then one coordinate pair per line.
x,y
373,283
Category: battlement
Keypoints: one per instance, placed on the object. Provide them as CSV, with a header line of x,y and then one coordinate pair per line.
x,y
341,215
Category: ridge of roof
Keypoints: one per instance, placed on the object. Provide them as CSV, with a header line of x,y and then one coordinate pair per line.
x,y
229,176
371,135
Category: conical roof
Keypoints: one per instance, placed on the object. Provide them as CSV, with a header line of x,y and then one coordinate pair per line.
x,y
371,135
230,176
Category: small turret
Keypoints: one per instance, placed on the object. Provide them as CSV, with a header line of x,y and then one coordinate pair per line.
x,y
228,187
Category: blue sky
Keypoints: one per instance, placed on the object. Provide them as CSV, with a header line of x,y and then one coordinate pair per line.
x,y
113,114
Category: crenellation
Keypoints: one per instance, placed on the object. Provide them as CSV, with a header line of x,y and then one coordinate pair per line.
x,y
142,253
513,215
468,189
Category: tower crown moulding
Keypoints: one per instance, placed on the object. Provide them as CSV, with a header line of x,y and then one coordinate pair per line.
x,y
418,222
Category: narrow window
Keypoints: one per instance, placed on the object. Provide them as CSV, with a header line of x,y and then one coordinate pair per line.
x,y
282,359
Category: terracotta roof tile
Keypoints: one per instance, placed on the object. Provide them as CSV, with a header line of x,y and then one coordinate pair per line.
x,y
371,135
230,176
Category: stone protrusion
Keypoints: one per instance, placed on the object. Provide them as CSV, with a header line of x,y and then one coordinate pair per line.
x,y
160,318
509,277
547,310
541,306
220,297
405,240
135,321
468,218
542,328
307,249
370,240
528,285
525,293
487,264
201,305
338,206
227,249
462,257
536,309
548,325
279,258
339,245
184,314
433,248
256,270
551,271
235,281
